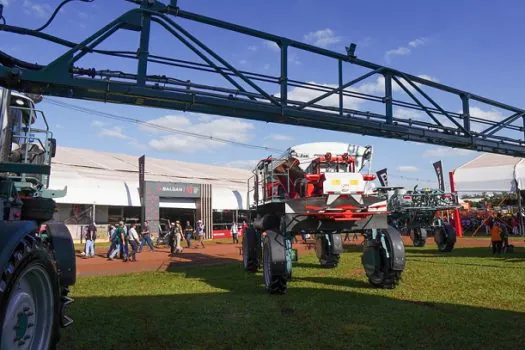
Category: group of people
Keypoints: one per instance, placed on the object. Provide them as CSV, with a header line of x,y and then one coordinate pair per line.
x,y
121,239
177,234
127,242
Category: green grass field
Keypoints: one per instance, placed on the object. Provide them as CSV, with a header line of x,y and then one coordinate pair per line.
x,y
467,299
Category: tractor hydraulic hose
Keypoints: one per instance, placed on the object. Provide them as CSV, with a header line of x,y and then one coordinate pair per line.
x,y
10,61
2,14
56,12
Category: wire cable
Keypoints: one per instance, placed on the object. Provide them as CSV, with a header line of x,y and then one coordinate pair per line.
x,y
56,12
106,115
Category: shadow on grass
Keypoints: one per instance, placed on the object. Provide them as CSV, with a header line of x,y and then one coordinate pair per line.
x,y
473,252
330,281
240,314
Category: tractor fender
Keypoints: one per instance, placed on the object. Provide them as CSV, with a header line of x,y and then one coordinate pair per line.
x,y
397,249
337,244
11,234
278,253
64,251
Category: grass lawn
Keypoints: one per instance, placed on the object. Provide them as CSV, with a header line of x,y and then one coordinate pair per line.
x,y
466,299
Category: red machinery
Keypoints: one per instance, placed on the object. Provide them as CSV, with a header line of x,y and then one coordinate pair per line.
x,y
319,188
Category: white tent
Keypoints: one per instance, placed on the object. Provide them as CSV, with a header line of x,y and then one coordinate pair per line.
x,y
102,178
490,173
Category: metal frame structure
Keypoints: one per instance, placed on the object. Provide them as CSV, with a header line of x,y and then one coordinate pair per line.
x,y
243,97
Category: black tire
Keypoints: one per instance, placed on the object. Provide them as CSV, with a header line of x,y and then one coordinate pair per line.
x,y
378,267
38,209
31,254
445,238
418,236
324,250
250,254
275,278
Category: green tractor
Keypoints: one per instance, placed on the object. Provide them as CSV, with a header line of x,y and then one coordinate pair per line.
x,y
37,256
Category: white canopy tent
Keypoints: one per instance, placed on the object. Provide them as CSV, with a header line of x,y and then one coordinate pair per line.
x,y
102,178
491,173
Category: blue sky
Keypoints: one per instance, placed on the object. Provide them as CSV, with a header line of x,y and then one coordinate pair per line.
x,y
466,44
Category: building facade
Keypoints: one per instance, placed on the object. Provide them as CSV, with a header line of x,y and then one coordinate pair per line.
x,y
105,188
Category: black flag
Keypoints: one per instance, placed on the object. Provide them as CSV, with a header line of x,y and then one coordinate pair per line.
x,y
142,164
439,173
382,177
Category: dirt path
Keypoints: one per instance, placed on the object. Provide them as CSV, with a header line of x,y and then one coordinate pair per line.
x,y
213,254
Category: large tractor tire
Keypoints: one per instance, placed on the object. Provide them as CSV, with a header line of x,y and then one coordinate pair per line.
x,y
445,238
30,298
276,267
418,236
251,246
328,249
384,258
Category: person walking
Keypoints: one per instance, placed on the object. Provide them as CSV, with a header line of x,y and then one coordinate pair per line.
x,y
91,236
112,230
200,233
146,238
178,237
171,240
133,238
235,231
495,233
188,232
119,239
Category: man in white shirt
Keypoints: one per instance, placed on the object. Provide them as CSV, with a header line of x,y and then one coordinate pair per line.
x,y
235,231
134,241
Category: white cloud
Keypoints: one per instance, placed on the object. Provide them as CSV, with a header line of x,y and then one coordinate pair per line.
x,y
114,132
242,164
304,95
223,128
82,14
252,48
418,42
405,113
169,121
280,137
322,38
447,152
59,126
39,10
97,124
378,86
266,66
400,51
243,61
406,50
492,115
137,145
271,45
407,169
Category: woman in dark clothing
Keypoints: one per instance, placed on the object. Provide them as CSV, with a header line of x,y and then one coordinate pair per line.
x,y
188,232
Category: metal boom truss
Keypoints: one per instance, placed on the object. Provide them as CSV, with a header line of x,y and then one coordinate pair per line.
x,y
244,97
